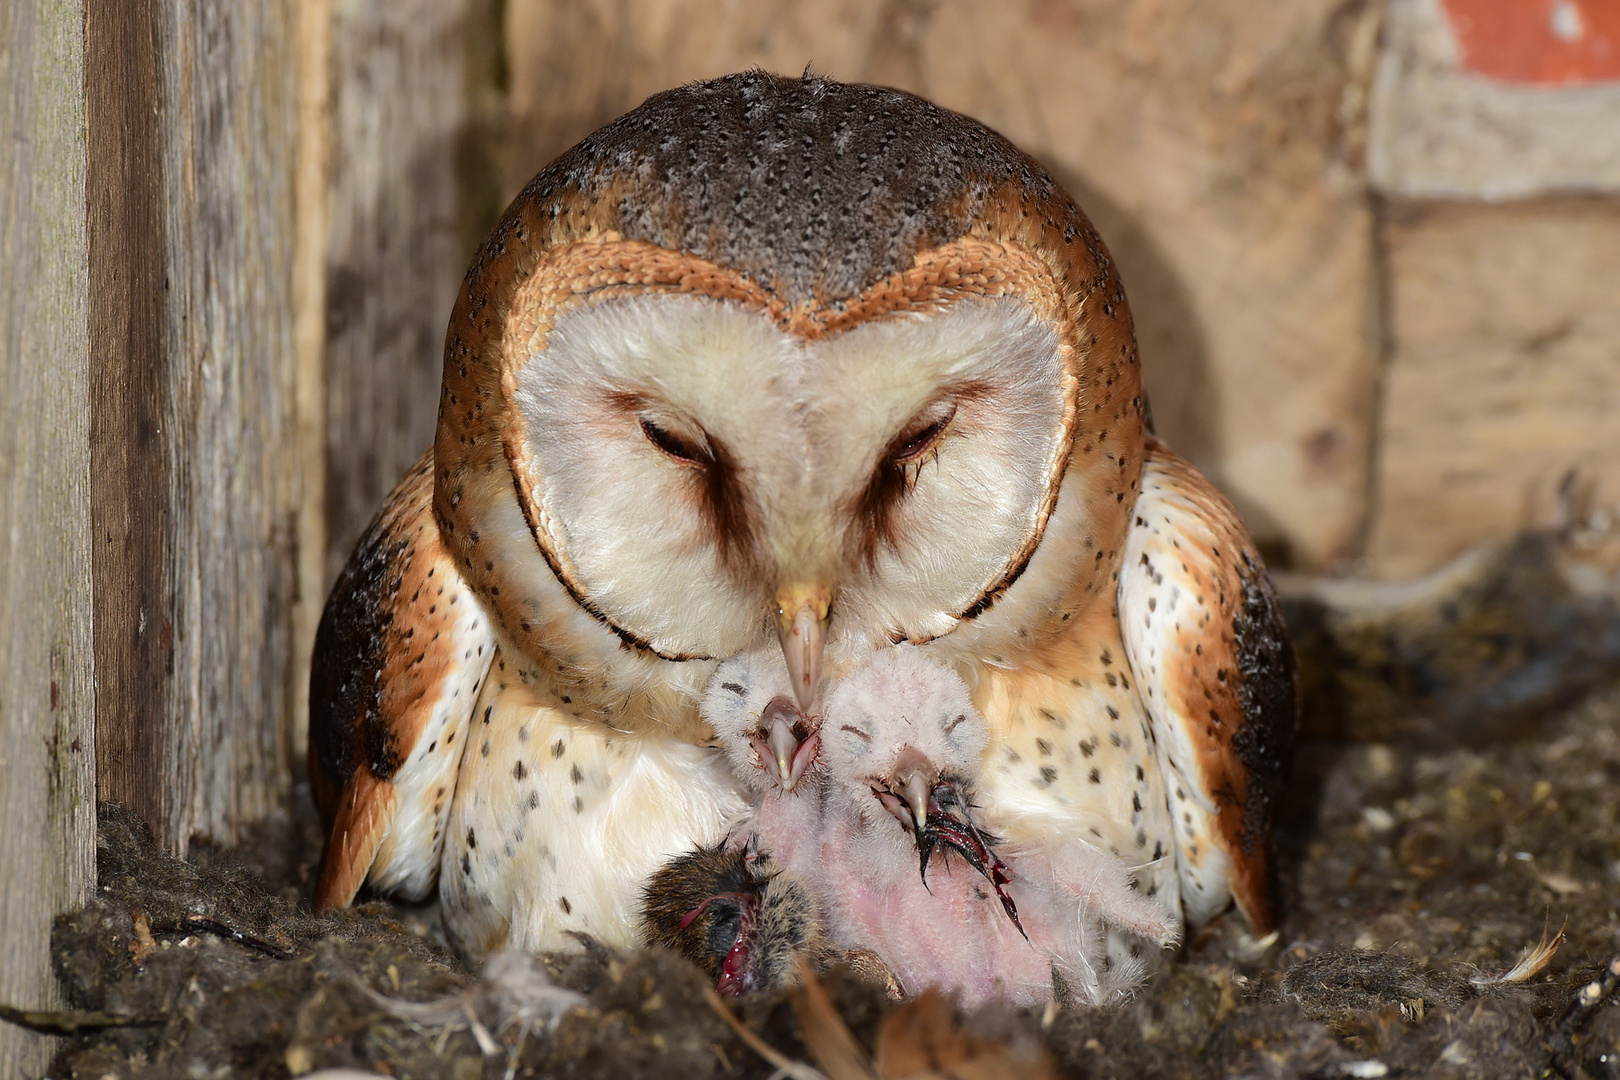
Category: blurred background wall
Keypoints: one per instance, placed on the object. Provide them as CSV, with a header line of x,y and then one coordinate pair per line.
x,y
1373,250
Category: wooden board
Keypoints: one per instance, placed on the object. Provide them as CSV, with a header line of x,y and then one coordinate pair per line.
x,y
47,747
1503,374
191,115
412,192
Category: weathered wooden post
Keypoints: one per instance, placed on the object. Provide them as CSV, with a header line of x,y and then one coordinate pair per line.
x,y
216,219
47,684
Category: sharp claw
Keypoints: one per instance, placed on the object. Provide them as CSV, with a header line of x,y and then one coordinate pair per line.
x,y
925,851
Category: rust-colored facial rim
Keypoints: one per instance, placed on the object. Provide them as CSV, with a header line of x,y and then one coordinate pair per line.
x,y
607,267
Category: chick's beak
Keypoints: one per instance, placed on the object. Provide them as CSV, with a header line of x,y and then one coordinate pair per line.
x,y
784,755
801,625
908,789
781,745
915,789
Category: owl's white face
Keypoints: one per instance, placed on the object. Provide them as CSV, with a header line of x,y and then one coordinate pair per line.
x,y
691,462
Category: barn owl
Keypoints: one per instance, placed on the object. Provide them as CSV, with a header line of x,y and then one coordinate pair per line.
x,y
782,361
891,851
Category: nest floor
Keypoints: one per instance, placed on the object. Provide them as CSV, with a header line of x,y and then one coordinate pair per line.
x,y
1413,877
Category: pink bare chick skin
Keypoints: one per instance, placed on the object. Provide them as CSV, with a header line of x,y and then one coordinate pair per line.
x,y
880,828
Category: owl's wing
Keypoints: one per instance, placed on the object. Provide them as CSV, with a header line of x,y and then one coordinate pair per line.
x,y
402,649
1204,634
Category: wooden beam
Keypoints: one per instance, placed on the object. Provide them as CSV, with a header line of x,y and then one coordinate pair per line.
x,y
130,421
47,744
192,121
311,209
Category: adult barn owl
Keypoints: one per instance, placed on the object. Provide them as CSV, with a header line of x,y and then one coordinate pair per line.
x,y
766,360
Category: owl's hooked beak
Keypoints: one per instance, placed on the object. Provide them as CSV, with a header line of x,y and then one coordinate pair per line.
x,y
801,625
907,790
783,754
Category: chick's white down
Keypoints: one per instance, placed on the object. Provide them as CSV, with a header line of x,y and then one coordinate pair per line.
x,y
840,833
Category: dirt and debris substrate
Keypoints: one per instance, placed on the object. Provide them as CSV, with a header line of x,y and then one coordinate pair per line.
x,y
1411,876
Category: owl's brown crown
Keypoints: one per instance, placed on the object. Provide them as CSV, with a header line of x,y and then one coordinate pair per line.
x,y
737,171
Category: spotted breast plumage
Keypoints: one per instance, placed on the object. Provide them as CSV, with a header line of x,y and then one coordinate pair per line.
x,y
782,361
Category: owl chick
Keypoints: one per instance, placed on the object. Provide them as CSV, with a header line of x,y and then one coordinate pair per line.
x,y
873,834
729,907
767,736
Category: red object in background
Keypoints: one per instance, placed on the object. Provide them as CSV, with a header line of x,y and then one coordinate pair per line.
x,y
1548,42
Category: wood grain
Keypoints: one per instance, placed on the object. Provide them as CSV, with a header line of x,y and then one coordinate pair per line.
x,y
134,624
415,101
229,113
311,203
47,747
192,129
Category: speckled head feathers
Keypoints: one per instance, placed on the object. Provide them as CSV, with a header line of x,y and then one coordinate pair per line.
x,y
823,207
813,189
